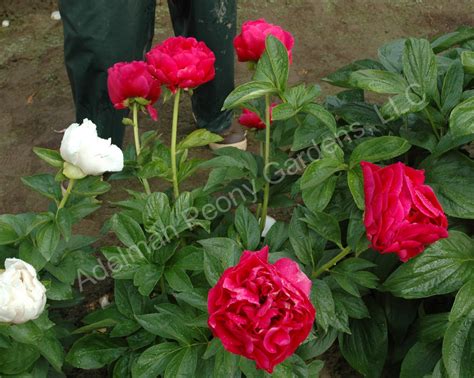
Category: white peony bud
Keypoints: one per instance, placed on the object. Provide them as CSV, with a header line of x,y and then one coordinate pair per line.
x,y
22,295
82,148
269,222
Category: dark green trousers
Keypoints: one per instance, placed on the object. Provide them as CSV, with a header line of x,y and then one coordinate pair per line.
x,y
99,33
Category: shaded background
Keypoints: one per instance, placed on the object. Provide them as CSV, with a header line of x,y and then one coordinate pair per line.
x,y
35,97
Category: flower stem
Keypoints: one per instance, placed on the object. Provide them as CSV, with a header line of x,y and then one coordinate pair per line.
x,y
266,158
66,195
138,149
174,134
344,252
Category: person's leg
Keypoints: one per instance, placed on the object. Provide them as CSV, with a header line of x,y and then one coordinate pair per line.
x,y
97,34
214,22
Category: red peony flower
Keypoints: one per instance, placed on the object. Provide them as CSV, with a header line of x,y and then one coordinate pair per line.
x,y
129,80
261,310
181,62
402,215
250,43
252,120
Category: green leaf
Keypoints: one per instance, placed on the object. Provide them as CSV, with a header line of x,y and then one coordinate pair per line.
x,y
464,303
302,239
325,225
183,364
7,234
420,360
52,157
18,358
195,297
127,298
378,149
441,269
167,326
399,105
147,277
446,41
154,360
379,81
247,226
390,55
51,349
45,185
432,327
322,299
178,279
317,344
94,351
366,348
461,121
273,65
47,240
420,69
198,138
458,348
283,111
246,92
127,230
319,171
219,254
226,363
317,198
467,60
452,178
315,368
341,77
64,223
452,87
91,186
321,114
355,181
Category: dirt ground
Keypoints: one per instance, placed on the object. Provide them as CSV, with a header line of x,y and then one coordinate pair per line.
x,y
35,98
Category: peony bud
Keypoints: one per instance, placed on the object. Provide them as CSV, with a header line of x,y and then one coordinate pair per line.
x,y
82,148
22,295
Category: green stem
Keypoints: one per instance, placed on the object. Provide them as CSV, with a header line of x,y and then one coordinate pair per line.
x,y
138,149
174,135
266,158
433,126
162,285
66,195
331,262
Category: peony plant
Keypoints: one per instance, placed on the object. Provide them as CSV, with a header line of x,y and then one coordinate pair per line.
x,y
369,242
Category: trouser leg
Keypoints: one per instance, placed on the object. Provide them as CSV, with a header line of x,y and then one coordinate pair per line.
x,y
214,23
97,34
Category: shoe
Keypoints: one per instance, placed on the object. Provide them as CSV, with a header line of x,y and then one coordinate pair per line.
x,y
234,136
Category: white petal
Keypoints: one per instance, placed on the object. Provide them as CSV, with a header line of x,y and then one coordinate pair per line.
x,y
100,156
269,222
75,137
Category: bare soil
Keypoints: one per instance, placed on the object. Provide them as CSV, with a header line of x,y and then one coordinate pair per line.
x,y
35,98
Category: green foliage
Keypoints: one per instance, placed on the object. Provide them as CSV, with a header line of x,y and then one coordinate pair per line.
x,y
165,251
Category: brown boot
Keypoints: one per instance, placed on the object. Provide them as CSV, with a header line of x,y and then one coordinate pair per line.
x,y
234,136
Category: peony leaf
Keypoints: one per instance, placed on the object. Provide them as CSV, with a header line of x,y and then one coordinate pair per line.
x,y
95,351
378,149
379,81
441,269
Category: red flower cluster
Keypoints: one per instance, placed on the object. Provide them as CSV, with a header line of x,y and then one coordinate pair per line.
x,y
178,62
182,63
250,43
402,215
261,310
252,120
129,80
